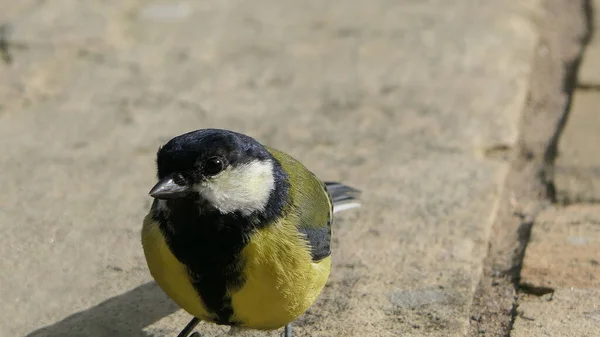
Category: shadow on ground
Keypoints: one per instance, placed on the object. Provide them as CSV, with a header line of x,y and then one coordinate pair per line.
x,y
124,315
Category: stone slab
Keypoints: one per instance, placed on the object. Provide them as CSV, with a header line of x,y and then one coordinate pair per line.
x,y
577,171
560,280
589,71
402,99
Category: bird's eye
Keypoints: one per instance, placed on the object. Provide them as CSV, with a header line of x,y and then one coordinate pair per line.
x,y
213,166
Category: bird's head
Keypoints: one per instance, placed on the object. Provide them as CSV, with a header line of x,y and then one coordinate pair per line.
x,y
228,171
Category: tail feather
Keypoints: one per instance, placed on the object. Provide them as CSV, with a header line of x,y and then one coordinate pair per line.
x,y
343,197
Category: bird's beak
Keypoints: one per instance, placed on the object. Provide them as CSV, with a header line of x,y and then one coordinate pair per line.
x,y
166,188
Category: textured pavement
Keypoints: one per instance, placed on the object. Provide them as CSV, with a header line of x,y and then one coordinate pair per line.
x,y
414,102
560,281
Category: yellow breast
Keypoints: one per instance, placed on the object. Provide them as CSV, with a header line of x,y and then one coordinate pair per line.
x,y
281,280
170,274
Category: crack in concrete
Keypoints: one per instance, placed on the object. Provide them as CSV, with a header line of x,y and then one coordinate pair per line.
x,y
530,289
588,86
529,186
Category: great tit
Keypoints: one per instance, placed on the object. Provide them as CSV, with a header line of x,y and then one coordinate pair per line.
x,y
239,234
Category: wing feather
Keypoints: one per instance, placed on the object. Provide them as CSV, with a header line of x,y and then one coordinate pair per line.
x,y
314,203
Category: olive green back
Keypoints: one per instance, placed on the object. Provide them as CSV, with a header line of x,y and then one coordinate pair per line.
x,y
311,202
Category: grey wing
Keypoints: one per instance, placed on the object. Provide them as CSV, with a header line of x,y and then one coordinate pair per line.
x,y
319,239
343,196
316,215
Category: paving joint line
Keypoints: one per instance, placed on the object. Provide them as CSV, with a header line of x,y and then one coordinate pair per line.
x,y
588,86
529,188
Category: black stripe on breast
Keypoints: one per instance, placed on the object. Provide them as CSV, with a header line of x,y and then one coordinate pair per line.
x,y
209,244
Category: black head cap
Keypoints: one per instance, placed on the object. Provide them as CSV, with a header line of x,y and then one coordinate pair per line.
x,y
190,154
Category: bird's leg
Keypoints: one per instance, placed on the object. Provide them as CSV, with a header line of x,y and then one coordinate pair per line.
x,y
189,327
287,331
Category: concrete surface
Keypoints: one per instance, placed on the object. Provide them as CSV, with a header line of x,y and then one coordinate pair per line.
x,y
560,280
567,313
564,249
529,186
577,173
559,292
405,100
589,73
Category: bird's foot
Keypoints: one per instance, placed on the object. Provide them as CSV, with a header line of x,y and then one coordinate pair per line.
x,y
189,328
287,332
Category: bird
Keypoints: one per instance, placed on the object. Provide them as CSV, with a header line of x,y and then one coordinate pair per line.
x,y
239,233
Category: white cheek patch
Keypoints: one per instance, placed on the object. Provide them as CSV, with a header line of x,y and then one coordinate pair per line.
x,y
245,188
